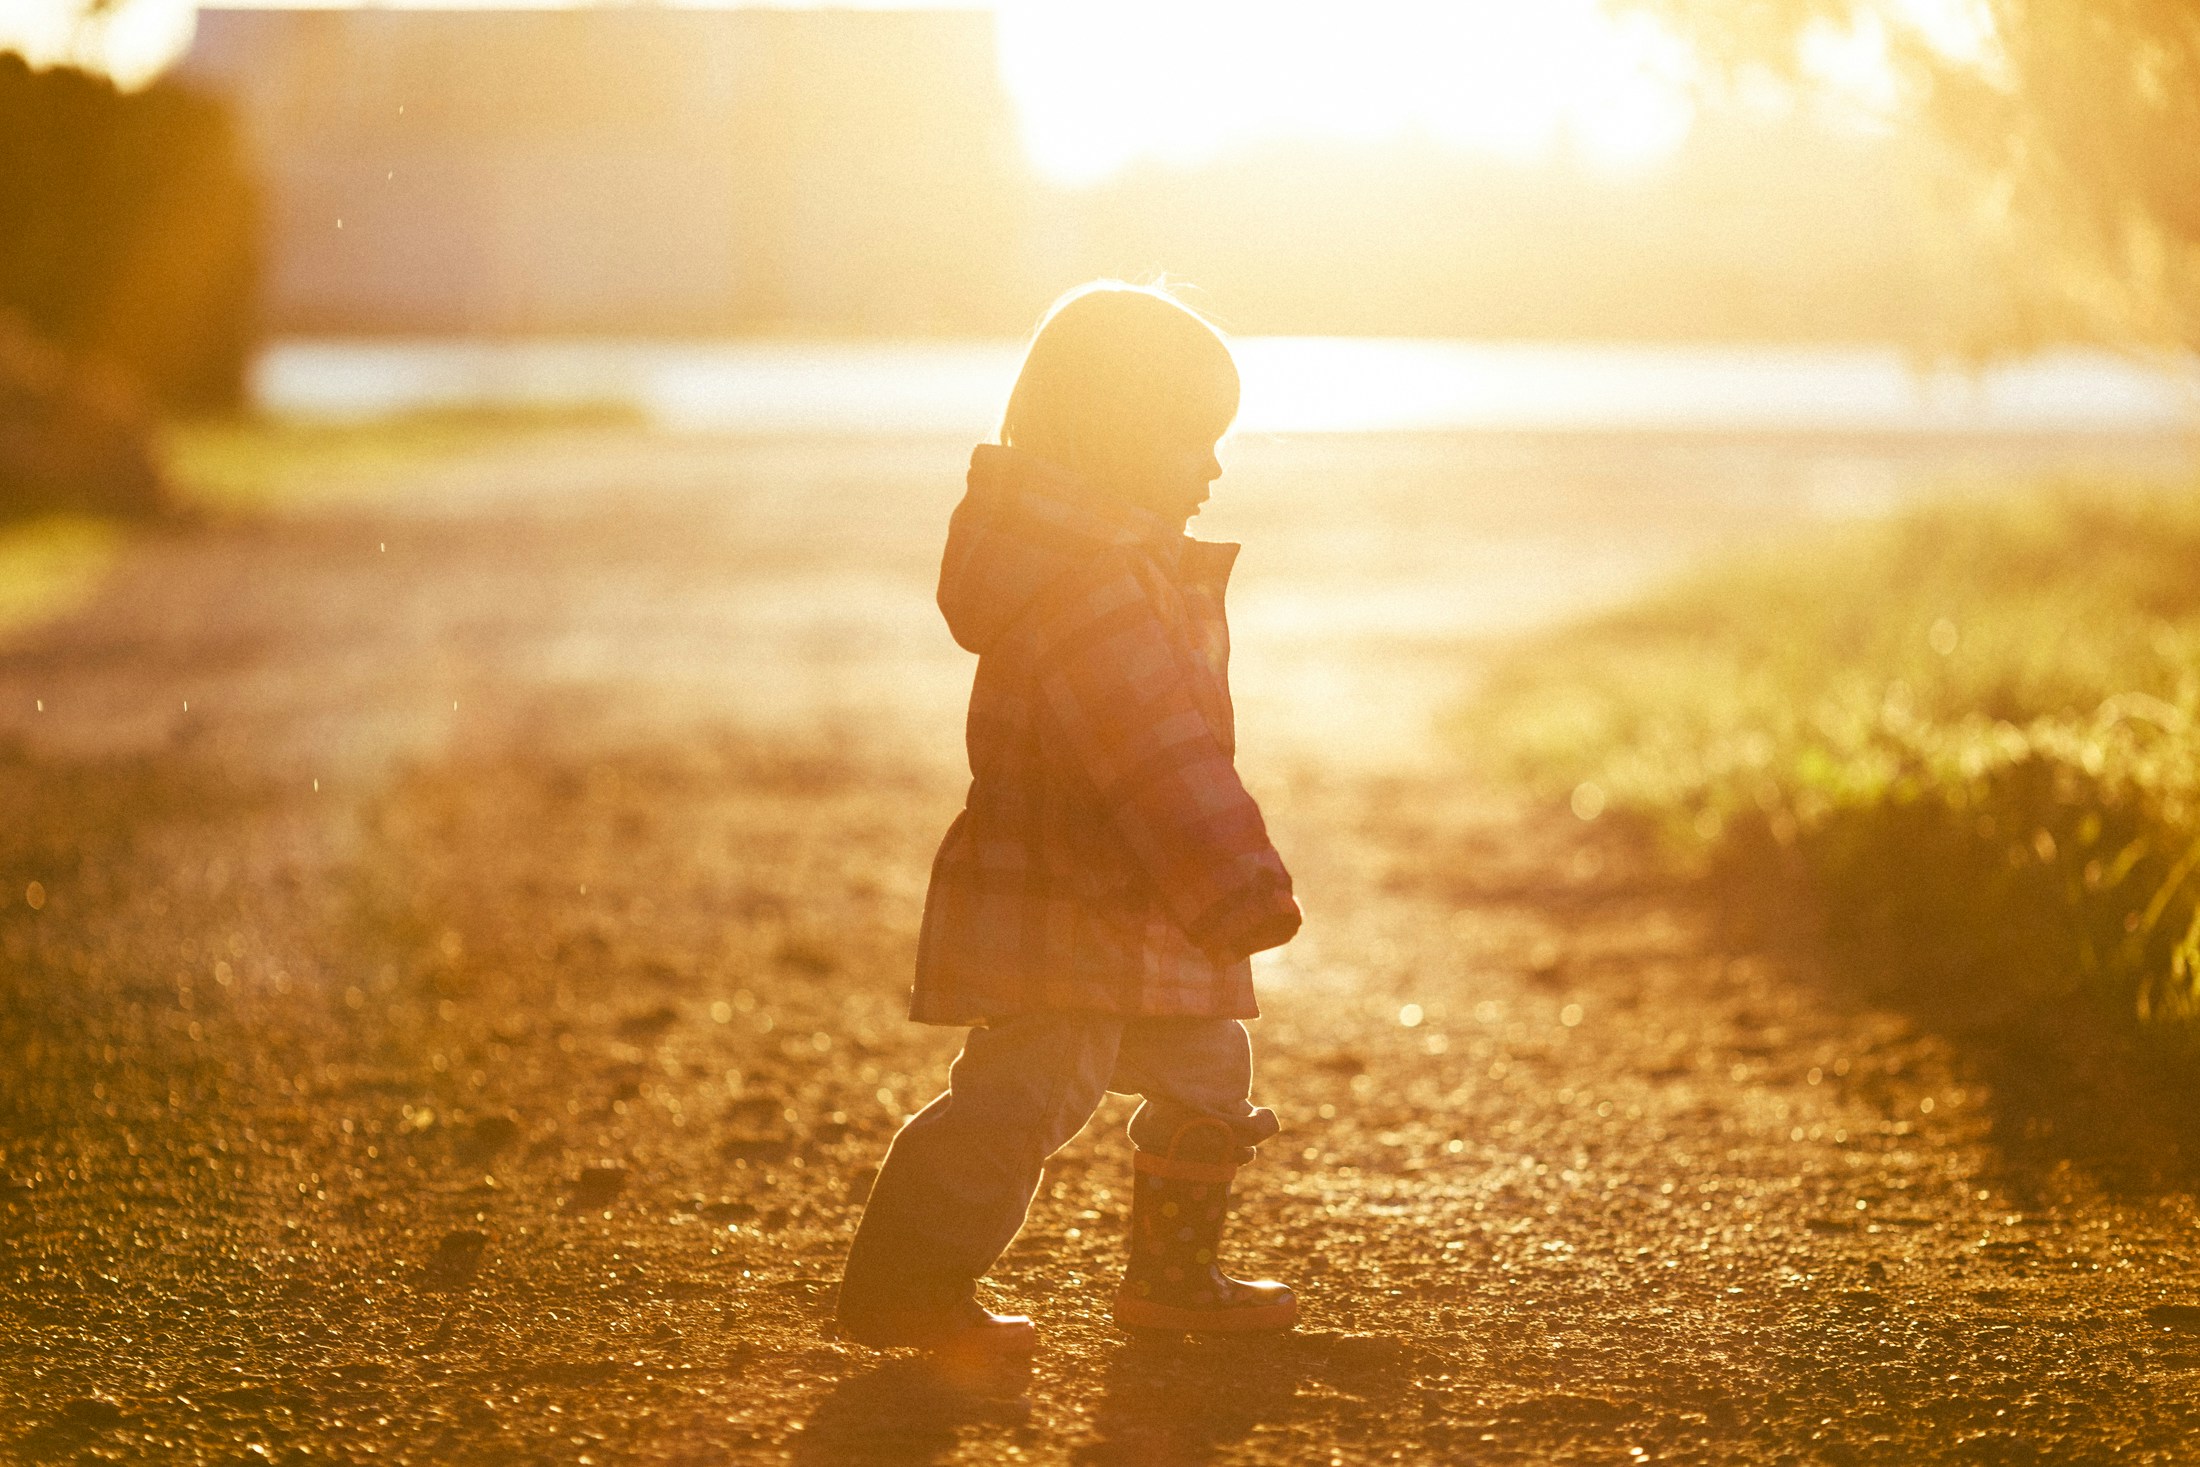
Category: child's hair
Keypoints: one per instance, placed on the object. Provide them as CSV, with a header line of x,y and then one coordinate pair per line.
x,y
1111,368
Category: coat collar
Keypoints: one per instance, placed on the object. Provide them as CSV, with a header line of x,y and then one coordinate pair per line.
x,y
1051,493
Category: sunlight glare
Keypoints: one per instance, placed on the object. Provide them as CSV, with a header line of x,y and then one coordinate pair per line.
x,y
1960,30
1100,85
1853,65
133,42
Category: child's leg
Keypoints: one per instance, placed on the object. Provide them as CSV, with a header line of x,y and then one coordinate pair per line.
x,y
959,1178
1190,1070
1197,1127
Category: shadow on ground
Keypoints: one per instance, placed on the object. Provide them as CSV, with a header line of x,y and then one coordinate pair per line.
x,y
1163,1401
2065,1085
911,1410
2067,1081
1169,1401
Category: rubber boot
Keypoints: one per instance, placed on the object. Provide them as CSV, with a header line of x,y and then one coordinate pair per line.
x,y
1178,1206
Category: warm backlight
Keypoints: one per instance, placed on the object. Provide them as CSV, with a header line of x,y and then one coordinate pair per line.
x,y
1104,83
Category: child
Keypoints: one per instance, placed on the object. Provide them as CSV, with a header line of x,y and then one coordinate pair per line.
x,y
1093,907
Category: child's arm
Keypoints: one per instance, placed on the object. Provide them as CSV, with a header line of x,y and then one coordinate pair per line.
x,y
1125,707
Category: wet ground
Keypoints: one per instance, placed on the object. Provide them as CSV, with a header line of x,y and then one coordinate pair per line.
x,y
452,945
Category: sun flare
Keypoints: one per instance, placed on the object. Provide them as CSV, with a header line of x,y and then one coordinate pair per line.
x,y
1101,85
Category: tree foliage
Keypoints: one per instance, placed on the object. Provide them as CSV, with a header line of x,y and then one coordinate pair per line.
x,y
128,229
2078,120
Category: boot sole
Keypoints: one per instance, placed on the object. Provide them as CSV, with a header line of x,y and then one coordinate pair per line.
x,y
1133,1312
992,1342
1020,1338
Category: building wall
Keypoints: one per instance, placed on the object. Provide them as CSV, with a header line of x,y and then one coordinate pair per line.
x,y
647,169
631,170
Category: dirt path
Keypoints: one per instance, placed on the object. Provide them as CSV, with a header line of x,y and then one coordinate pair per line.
x,y
396,1081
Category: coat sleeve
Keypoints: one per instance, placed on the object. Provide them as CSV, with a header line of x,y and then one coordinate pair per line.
x,y
1122,700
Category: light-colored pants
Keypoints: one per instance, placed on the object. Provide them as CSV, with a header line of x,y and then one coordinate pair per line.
x,y
960,1176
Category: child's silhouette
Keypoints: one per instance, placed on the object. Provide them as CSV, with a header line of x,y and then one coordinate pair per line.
x,y
1093,908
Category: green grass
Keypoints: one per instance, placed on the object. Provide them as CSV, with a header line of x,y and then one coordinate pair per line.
x,y
1970,731
261,465
51,565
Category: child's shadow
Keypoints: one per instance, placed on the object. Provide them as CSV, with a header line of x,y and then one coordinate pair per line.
x,y
910,1410
1176,1400
1167,1401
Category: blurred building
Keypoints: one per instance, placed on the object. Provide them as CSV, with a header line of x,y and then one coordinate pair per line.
x,y
647,169
625,170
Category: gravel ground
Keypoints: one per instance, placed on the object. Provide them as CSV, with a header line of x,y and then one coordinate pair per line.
x,y
399,1081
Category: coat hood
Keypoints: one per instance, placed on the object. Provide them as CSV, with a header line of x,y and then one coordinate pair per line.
x,y
1023,526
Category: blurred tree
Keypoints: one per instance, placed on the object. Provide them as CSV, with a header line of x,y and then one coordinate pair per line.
x,y
132,41
128,229
2078,120
74,435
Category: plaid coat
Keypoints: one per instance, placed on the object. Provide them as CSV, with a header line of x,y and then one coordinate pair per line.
x,y
1107,859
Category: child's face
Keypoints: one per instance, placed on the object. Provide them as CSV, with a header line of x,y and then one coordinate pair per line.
x,y
1176,471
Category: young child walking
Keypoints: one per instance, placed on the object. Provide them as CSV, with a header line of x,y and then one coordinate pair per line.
x,y
1093,908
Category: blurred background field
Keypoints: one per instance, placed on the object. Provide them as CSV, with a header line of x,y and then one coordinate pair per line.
x,y
1716,638
1801,350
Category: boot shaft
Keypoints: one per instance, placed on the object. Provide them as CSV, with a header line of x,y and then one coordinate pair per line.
x,y
1177,1213
1175,1280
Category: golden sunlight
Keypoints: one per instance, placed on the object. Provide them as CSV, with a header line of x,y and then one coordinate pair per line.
x,y
1101,85
132,41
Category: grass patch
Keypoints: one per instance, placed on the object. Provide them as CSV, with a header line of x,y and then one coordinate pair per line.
x,y
259,465
51,565
1970,731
